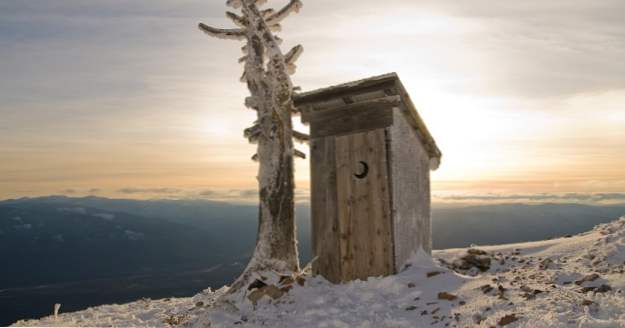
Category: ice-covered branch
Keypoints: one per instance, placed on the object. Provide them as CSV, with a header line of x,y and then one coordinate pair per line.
x,y
252,102
301,137
293,54
291,57
292,6
299,154
230,34
266,13
234,3
238,20
275,28
243,77
252,133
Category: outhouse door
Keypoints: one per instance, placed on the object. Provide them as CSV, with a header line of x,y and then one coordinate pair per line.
x,y
359,240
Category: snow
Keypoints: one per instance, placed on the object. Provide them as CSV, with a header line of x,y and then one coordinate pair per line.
x,y
567,282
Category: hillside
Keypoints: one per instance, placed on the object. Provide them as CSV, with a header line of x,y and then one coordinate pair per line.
x,y
577,281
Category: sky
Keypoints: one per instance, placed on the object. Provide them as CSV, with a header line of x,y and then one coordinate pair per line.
x,y
120,98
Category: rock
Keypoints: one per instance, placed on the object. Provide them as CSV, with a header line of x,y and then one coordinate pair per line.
x,y
479,261
475,251
544,264
446,296
477,318
507,319
411,285
411,308
486,288
286,280
601,289
256,284
271,291
432,274
587,302
587,278
199,304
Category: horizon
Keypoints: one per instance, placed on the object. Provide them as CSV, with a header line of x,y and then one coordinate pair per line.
x,y
455,201
130,100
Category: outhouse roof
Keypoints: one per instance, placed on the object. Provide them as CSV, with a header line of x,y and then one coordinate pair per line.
x,y
382,88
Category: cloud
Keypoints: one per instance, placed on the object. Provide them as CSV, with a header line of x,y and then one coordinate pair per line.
x,y
134,190
540,197
241,195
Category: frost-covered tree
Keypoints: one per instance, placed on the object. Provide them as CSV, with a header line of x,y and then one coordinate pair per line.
x,y
266,74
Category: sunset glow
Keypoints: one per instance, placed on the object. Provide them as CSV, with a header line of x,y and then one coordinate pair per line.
x,y
522,98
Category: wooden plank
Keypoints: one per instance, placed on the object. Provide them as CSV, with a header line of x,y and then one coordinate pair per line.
x,y
341,122
325,239
372,83
344,205
363,206
313,114
379,197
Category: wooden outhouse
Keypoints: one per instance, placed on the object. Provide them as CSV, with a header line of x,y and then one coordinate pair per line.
x,y
370,157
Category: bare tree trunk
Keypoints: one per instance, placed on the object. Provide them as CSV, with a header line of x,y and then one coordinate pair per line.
x,y
267,77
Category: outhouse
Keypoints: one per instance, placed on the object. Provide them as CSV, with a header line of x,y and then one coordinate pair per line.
x,y
370,158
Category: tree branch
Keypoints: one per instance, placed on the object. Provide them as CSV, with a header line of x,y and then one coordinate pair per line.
x,y
220,33
252,133
275,27
238,20
292,6
267,12
234,3
293,54
301,137
298,153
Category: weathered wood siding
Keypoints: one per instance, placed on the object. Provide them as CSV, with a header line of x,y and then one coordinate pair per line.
x,y
410,181
363,206
324,209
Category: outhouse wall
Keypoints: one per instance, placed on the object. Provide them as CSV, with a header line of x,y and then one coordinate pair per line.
x,y
410,186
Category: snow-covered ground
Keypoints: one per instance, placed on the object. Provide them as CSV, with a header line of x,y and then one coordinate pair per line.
x,y
577,281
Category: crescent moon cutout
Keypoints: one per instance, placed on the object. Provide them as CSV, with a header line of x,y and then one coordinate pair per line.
x,y
364,172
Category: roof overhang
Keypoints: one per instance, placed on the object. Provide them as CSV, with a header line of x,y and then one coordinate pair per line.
x,y
383,89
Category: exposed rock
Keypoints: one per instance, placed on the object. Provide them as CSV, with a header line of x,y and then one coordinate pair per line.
x,y
446,296
507,319
588,278
587,302
476,251
433,273
477,318
486,288
271,291
600,289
